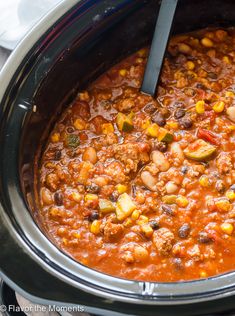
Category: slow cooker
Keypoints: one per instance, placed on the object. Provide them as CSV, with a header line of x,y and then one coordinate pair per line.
x,y
69,48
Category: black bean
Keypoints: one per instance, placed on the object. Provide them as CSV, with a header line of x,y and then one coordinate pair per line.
x,y
57,155
179,113
149,108
186,122
184,230
232,187
200,86
203,238
168,210
178,263
184,169
70,129
212,75
179,105
220,187
154,224
93,188
114,196
161,146
93,216
159,119
58,198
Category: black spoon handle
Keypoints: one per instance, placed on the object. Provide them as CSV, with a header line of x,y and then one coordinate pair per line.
x,y
158,46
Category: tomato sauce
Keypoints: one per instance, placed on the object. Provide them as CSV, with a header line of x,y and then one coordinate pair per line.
x,y
144,188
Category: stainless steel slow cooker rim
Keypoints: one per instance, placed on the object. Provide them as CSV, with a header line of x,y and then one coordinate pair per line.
x,y
9,70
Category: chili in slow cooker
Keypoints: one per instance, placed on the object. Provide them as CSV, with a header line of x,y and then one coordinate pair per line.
x,y
144,188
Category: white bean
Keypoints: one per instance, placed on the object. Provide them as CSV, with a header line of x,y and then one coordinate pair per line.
x,y
171,187
140,253
160,161
90,155
176,151
148,180
46,196
231,113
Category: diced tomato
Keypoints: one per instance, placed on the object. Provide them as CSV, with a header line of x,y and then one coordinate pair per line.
x,y
208,136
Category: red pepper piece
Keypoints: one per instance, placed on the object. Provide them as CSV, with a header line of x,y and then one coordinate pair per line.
x,y
208,136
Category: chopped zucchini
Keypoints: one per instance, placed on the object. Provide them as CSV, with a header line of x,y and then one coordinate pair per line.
x,y
121,188
124,122
153,130
106,206
72,140
125,206
200,150
169,199
164,135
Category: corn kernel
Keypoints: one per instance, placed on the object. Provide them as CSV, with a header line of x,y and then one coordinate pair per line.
x,y
182,201
128,222
107,128
152,130
223,205
76,235
207,42
218,107
75,196
142,220
231,128
190,65
226,60
65,241
123,72
79,124
230,195
142,52
139,60
135,215
204,181
55,137
90,197
173,125
227,228
200,107
121,188
229,94
147,230
95,227
146,124
203,274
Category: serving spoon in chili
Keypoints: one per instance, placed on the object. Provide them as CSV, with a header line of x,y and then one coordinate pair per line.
x,y
158,47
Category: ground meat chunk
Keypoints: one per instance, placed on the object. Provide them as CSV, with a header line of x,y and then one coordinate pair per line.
x,y
123,105
112,232
116,171
163,239
224,163
52,181
82,109
131,154
110,139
